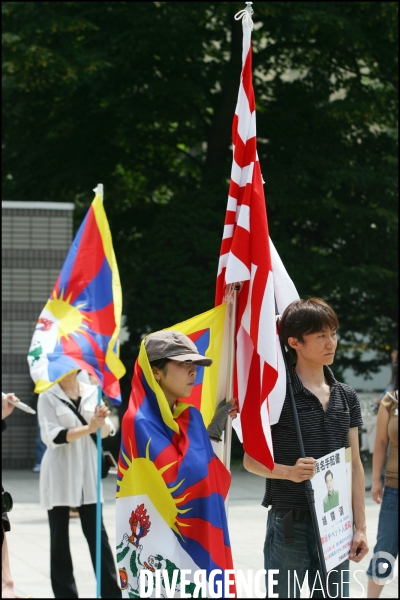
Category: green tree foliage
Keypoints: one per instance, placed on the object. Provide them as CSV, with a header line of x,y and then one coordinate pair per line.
x,y
140,96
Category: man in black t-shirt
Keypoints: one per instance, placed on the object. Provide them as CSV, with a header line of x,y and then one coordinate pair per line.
x,y
329,414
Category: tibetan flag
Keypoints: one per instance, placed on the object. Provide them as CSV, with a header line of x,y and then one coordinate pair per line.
x,y
79,326
209,332
171,487
248,257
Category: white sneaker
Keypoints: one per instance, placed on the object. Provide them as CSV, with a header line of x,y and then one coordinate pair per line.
x,y
36,469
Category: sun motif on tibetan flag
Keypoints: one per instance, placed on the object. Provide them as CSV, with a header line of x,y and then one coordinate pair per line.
x,y
143,476
69,318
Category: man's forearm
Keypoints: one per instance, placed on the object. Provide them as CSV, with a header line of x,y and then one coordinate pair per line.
x,y
279,471
303,469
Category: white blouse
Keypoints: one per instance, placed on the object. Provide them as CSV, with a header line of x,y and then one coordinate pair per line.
x,y
68,472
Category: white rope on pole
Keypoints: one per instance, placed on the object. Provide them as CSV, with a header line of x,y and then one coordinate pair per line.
x,y
245,15
99,190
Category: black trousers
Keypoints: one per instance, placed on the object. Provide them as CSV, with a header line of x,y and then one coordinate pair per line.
x,y
61,569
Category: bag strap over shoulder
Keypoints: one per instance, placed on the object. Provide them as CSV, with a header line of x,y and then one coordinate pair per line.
x,y
80,417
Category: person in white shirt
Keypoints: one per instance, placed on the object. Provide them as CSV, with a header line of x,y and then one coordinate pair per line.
x,y
68,477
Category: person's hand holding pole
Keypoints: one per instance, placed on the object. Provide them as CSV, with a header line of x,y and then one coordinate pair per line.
x,y
303,470
99,417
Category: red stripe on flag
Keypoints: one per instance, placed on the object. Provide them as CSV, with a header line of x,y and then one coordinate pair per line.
x,y
226,245
254,442
248,82
245,151
196,335
195,397
241,245
167,457
233,189
181,440
234,128
230,218
71,348
136,399
102,321
89,258
111,385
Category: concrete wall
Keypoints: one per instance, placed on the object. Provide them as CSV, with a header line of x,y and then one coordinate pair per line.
x,y
36,237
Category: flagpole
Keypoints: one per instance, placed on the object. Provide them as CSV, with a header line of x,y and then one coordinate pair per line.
x,y
99,468
98,507
226,457
309,488
231,297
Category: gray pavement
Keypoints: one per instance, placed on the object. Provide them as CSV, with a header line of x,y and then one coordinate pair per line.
x,y
29,539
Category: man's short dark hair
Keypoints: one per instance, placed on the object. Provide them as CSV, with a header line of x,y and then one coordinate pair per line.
x,y
328,473
303,317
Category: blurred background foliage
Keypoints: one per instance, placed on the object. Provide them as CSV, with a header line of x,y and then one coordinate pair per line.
x,y
140,96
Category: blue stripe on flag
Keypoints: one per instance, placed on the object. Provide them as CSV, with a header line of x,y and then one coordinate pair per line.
x,y
194,464
88,354
59,364
202,559
98,293
205,508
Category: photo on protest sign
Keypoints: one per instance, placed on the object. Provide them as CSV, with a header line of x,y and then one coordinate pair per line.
x,y
332,494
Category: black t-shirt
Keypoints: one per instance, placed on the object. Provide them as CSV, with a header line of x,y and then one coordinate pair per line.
x,y
322,432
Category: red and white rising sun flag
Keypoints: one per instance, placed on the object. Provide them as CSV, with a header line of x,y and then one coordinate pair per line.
x,y
248,256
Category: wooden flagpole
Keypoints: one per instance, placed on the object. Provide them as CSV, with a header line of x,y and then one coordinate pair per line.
x,y
232,308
